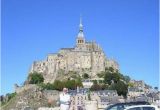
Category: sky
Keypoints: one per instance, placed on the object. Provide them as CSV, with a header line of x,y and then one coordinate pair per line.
x,y
127,30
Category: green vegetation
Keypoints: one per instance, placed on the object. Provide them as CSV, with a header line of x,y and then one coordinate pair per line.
x,y
9,97
89,96
95,82
35,78
113,80
97,87
59,85
101,75
70,83
85,76
47,86
120,87
130,84
110,78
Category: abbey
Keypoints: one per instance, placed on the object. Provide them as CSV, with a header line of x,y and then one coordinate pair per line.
x,y
84,57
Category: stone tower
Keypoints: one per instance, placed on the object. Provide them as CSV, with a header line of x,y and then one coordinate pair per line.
x,y
80,40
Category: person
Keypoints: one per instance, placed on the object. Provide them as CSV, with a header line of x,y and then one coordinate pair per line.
x,y
65,100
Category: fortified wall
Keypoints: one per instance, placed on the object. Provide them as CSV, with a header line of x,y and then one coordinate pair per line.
x,y
84,57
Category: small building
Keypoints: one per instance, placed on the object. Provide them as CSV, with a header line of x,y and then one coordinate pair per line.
x,y
134,92
140,85
87,83
78,98
110,93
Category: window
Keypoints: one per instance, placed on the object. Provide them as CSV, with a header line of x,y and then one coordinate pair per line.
x,y
113,108
148,108
120,107
135,108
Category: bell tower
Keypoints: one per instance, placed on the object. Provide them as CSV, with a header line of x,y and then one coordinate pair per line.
x,y
80,38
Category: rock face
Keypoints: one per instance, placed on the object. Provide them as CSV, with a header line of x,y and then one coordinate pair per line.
x,y
84,57
31,98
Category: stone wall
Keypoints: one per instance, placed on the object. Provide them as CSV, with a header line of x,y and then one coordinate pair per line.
x,y
25,87
87,57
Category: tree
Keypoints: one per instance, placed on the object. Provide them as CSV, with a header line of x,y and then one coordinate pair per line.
x,y
95,87
79,83
103,87
101,74
85,76
120,87
109,77
111,69
95,82
116,77
70,84
11,95
35,78
49,86
127,78
58,85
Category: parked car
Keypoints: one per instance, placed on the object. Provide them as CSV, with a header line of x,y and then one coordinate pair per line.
x,y
121,106
142,107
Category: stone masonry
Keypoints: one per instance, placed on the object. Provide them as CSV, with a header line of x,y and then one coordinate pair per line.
x,y
84,57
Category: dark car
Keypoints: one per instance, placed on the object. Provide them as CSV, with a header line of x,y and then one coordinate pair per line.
x,y
121,106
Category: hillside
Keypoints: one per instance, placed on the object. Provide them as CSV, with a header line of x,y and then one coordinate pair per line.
x,y
33,98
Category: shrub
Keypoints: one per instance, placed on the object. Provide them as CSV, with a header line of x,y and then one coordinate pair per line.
x,y
35,78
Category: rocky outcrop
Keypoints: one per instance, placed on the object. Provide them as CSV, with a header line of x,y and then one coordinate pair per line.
x,y
32,97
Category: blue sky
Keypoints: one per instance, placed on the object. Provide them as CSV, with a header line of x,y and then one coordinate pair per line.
x,y
127,30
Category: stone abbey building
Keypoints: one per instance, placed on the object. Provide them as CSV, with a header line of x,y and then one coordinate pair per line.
x,y
84,57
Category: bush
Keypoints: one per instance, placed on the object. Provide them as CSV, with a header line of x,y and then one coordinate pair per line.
x,y
70,84
101,74
79,82
35,78
95,87
85,76
47,86
10,96
109,77
120,87
95,82
58,85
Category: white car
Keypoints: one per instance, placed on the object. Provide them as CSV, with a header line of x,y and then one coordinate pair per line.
x,y
142,107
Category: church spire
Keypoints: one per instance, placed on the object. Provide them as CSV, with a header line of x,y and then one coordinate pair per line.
x,y
80,38
80,34
80,25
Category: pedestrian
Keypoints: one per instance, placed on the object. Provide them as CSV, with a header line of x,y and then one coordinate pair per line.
x,y
65,100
